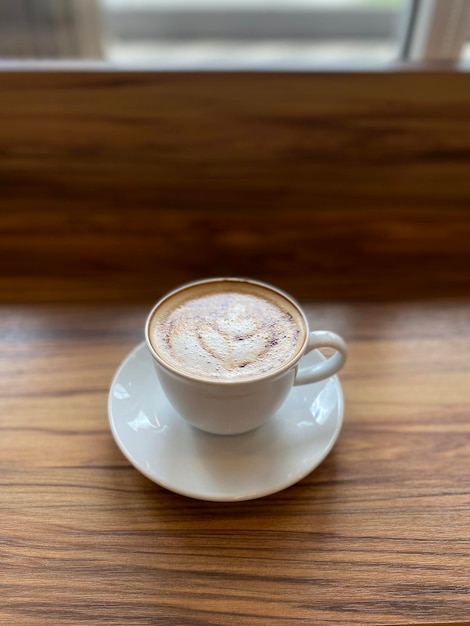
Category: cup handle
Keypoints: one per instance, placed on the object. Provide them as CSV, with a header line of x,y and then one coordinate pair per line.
x,y
314,373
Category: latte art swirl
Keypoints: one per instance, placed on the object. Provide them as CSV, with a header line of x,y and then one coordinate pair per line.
x,y
227,335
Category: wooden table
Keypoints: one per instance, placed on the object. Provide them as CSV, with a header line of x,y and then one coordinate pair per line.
x,y
350,191
378,534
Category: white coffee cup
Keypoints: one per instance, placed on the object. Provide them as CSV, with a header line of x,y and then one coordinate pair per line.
x,y
237,405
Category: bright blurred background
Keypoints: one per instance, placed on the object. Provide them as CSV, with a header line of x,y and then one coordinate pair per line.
x,y
226,34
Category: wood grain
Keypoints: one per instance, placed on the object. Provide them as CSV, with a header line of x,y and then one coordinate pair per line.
x,y
119,185
350,191
378,534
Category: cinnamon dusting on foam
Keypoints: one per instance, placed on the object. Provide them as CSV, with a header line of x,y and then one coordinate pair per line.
x,y
226,334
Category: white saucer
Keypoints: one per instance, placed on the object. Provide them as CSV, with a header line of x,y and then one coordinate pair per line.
x,y
177,456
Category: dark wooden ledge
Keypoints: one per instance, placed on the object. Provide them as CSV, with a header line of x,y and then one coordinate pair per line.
x,y
119,185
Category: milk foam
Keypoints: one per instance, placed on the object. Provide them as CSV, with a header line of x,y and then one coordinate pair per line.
x,y
226,335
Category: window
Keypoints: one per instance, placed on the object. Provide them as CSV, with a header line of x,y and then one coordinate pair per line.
x,y
225,34
296,34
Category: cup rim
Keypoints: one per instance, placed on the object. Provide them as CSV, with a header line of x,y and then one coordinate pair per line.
x,y
224,383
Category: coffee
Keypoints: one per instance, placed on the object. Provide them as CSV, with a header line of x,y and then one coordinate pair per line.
x,y
227,330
